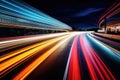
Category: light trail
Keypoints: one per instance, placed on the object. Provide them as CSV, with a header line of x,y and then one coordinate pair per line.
x,y
94,63
12,62
67,65
107,40
25,72
103,71
102,68
74,68
9,44
113,43
87,57
7,56
71,56
23,14
108,51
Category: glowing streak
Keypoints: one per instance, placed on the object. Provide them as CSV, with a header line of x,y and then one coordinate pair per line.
x,y
109,52
66,70
7,65
106,40
25,72
7,56
113,49
74,68
5,45
106,73
97,65
87,58
67,66
27,13
36,37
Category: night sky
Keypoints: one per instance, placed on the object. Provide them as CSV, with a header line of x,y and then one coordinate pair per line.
x,y
79,14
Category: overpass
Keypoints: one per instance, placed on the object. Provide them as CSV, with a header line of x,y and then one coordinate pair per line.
x,y
107,22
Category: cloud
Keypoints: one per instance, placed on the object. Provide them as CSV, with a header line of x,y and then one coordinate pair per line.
x,y
87,12
84,26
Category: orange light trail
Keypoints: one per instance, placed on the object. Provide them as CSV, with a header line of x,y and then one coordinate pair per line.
x,y
25,72
4,57
12,62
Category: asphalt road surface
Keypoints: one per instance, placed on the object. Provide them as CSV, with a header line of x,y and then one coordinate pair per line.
x,y
60,56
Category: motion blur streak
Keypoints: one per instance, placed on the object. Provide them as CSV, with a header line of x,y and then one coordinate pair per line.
x,y
87,56
24,15
102,70
12,62
4,57
106,73
107,40
109,52
68,56
8,44
25,72
110,42
74,68
68,61
96,67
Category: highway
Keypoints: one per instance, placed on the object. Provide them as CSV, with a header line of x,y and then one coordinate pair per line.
x,y
59,56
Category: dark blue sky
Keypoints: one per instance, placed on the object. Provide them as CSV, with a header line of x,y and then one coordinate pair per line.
x,y
79,14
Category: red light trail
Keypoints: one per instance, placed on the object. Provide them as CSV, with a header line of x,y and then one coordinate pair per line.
x,y
74,68
85,51
95,65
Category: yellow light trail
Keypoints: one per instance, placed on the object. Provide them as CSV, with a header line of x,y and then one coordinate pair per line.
x,y
13,43
7,56
4,57
12,62
25,72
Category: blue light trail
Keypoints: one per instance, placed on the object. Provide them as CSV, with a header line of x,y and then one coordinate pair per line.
x,y
18,12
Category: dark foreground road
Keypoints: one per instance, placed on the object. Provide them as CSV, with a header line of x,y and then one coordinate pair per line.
x,y
64,56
